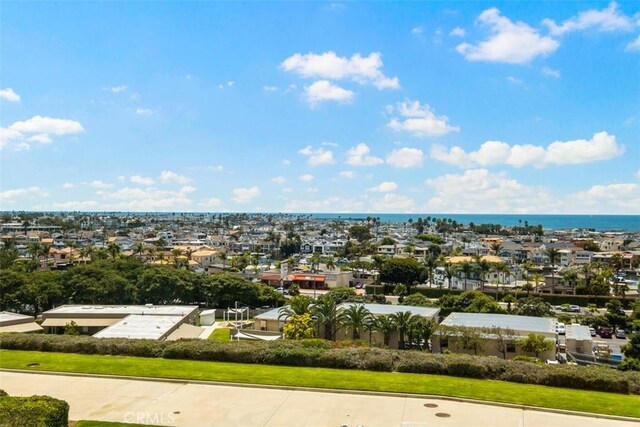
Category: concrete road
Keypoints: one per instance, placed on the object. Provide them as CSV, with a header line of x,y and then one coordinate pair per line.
x,y
180,404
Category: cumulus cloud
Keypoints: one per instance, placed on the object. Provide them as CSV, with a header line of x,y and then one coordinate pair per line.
x,y
393,203
99,184
420,120
306,178
279,179
633,45
479,191
359,156
17,194
169,177
9,95
619,198
601,146
328,65
405,158
245,194
384,187
509,42
317,156
137,179
324,90
457,32
80,205
212,203
147,199
38,129
607,19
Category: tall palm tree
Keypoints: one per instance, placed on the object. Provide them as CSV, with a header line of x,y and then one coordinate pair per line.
x,y
385,325
300,304
34,249
138,248
431,263
113,250
449,271
496,247
536,282
175,254
553,254
354,317
570,277
402,321
483,266
223,257
466,268
325,313
330,262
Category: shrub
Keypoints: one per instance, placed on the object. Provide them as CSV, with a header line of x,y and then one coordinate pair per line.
x,y
3,393
317,342
592,378
530,359
420,363
34,411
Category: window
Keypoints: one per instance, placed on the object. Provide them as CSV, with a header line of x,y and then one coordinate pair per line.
x,y
511,347
444,342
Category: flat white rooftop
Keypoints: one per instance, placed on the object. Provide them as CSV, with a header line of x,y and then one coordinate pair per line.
x,y
578,332
114,310
143,327
542,325
13,318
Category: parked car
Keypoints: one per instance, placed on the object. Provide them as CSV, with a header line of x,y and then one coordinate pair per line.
x,y
592,331
359,285
574,308
560,329
621,334
605,332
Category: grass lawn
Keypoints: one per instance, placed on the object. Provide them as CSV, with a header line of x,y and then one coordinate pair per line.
x,y
491,390
221,335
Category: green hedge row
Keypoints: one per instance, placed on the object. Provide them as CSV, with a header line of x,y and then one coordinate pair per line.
x,y
34,411
581,300
321,353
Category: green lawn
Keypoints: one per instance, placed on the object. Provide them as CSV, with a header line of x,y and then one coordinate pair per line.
x,y
221,335
491,390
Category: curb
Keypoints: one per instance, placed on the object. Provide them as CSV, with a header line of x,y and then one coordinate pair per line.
x,y
329,390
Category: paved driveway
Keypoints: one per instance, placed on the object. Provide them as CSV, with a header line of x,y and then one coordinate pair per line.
x,y
180,404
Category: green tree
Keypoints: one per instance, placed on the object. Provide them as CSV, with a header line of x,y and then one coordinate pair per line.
x,y
355,317
298,305
470,339
503,339
535,344
325,313
420,331
361,233
385,325
298,327
553,254
402,320
401,270
71,329
417,300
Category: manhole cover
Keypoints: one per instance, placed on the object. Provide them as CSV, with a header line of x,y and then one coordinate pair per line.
x,y
443,415
430,405
31,365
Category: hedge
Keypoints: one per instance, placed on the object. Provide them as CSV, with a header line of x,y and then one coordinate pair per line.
x,y
581,300
321,353
34,411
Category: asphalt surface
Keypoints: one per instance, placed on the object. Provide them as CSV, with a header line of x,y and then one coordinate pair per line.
x,y
195,405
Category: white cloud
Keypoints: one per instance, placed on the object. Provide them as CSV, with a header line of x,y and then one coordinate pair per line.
x,y
417,30
638,174
83,205
68,185
117,89
512,43
359,156
324,90
9,95
457,32
137,179
633,45
479,191
331,204
279,179
347,174
9,136
601,146
317,157
620,198
41,138
393,203
608,19
550,72
212,203
405,158
384,187
306,178
420,120
144,111
146,199
99,184
12,196
245,195
39,124
286,162
168,177
270,88
328,65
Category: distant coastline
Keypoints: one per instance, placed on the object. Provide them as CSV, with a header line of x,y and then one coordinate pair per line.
x,y
627,223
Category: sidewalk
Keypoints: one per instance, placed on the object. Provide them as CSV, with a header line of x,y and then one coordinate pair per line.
x,y
182,404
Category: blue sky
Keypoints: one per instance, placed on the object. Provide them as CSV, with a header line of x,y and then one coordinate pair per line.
x,y
438,107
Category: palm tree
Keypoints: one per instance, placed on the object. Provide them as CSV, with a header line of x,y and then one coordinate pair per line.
x,y
505,270
402,320
385,325
432,263
330,262
467,269
34,249
449,271
370,326
138,248
570,277
175,254
420,331
496,247
223,257
325,313
300,304
354,317
552,254
483,267
315,262
113,250
536,282
46,248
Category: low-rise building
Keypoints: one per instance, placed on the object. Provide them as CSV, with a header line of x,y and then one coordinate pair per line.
x,y
14,322
578,339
